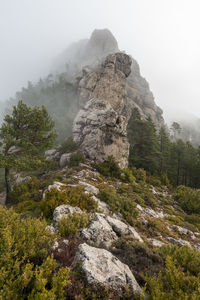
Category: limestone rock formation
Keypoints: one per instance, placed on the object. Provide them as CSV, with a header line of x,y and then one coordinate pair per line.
x,y
86,52
64,210
102,268
104,230
82,57
100,126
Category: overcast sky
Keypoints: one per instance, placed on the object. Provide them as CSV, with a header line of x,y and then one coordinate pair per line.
x,y
162,35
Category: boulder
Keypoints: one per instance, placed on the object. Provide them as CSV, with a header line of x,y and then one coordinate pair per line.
x,y
104,230
52,154
178,242
56,185
89,188
155,242
63,210
102,268
64,159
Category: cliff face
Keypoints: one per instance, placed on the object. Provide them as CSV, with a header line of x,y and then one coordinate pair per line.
x,y
110,87
84,56
100,126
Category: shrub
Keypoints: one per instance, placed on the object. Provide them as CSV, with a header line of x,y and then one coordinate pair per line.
x,y
69,195
119,204
127,175
29,190
188,198
155,181
26,272
180,279
109,168
76,158
28,208
144,191
157,226
139,174
140,257
68,145
72,224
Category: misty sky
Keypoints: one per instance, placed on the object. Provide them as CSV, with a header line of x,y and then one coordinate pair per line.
x,y
162,35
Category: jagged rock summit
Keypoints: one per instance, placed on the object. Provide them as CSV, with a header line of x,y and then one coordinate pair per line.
x,y
110,87
100,126
86,52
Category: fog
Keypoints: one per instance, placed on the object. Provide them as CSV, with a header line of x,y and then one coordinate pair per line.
x,y
163,36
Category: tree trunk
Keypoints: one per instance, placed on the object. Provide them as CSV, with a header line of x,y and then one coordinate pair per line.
x,y
7,182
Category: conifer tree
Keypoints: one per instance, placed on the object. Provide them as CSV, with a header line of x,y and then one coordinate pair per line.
x,y
24,137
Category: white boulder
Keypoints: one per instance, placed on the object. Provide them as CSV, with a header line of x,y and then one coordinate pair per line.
x,y
63,210
102,268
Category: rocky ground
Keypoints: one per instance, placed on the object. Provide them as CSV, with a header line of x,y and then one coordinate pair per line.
x,y
156,223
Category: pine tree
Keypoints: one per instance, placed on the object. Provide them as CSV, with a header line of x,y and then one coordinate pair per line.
x,y
144,147
24,137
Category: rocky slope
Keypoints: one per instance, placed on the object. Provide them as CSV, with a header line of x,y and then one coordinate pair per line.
x,y
103,242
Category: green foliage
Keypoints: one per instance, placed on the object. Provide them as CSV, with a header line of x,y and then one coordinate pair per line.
x,y
144,149
58,95
119,204
157,226
180,279
24,137
68,145
109,168
76,158
154,180
127,175
141,258
188,199
25,270
29,190
69,195
139,174
72,224
157,154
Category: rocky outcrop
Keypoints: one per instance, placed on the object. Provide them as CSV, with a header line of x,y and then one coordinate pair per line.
x,y
104,230
100,126
86,52
64,210
102,268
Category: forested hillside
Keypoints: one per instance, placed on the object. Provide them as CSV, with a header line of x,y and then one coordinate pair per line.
x,y
58,95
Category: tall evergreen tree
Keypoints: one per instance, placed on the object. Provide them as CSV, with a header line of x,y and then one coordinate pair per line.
x,y
24,137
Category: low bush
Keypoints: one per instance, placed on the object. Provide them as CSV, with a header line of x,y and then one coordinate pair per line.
x,y
180,279
68,145
29,190
119,204
127,175
140,257
139,174
76,158
26,271
109,168
153,180
72,224
156,227
188,198
69,195
144,191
